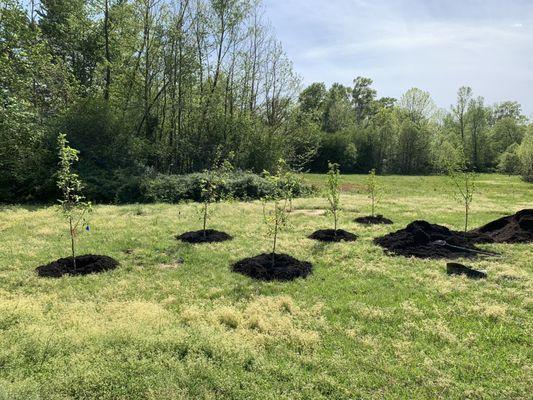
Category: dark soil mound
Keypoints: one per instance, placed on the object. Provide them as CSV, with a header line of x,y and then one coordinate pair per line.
x,y
211,236
284,268
424,240
373,220
517,228
332,235
86,264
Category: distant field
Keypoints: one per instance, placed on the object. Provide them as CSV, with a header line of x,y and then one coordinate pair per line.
x,y
173,322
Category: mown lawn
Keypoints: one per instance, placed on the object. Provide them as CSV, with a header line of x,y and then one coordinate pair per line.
x,y
173,322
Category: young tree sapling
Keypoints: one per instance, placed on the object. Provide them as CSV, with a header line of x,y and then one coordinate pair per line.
x,y
211,185
72,204
276,218
373,190
464,183
289,183
333,192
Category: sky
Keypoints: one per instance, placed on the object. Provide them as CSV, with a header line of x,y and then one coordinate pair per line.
x,y
435,45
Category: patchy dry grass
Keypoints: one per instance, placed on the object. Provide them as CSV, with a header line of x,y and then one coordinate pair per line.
x,y
173,322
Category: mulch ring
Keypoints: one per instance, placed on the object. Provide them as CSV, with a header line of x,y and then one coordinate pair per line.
x,y
332,235
517,228
424,240
86,264
373,220
265,267
210,236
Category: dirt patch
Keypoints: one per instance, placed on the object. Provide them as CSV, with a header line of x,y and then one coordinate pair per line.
x,y
283,267
332,235
352,187
86,264
373,220
311,213
210,236
424,240
517,228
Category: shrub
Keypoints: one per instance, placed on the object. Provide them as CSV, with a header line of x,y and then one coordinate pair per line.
x,y
238,185
509,161
525,153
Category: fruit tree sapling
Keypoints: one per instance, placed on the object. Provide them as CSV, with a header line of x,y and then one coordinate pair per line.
x,y
211,185
333,192
289,183
72,204
464,183
275,218
373,189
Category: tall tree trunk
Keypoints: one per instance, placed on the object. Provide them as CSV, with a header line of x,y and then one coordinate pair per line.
x,y
107,52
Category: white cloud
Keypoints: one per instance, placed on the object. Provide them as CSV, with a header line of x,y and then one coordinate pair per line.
x,y
404,43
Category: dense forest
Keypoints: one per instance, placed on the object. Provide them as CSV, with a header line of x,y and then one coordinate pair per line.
x,y
146,88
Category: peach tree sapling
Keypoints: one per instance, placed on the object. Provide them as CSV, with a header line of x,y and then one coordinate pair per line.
x,y
72,204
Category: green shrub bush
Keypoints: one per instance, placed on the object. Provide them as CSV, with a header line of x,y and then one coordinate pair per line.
x,y
238,185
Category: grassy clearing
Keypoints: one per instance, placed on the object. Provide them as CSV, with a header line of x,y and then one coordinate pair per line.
x,y
172,322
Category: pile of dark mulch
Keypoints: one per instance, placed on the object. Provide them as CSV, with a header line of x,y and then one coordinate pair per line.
x,y
332,235
517,228
373,220
424,240
210,236
284,267
86,264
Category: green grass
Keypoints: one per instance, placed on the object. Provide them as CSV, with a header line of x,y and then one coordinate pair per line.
x,y
173,322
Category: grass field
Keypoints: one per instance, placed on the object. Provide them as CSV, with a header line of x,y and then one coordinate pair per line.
x,y
173,322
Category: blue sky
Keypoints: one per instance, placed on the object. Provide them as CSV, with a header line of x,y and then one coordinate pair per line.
x,y
436,45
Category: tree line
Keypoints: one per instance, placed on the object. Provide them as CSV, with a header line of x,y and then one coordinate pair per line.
x,y
411,135
141,87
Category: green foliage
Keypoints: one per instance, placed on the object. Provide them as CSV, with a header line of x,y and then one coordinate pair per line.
x,y
237,185
509,161
525,154
72,205
333,192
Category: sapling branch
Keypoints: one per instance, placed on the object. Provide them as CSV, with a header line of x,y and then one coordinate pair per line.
x,y
465,186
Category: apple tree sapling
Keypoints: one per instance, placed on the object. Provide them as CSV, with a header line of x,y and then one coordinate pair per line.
x,y
72,204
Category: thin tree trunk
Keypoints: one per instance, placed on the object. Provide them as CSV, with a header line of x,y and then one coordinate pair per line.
x,y
107,52
72,247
